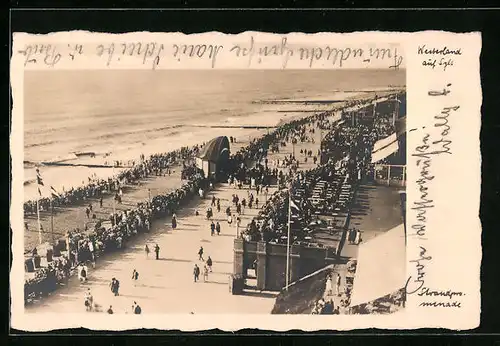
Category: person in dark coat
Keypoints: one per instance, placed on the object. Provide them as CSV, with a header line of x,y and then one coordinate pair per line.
x,y
157,251
200,254
212,228
115,287
196,272
217,228
209,263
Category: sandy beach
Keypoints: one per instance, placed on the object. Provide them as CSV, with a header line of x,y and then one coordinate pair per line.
x,y
119,115
126,121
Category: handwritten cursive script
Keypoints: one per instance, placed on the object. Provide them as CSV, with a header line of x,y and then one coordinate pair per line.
x,y
415,284
432,144
251,52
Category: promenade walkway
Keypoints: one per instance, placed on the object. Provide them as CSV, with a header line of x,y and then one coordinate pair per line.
x,y
166,285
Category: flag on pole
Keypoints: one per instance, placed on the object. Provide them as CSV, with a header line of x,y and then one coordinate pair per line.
x,y
53,192
39,182
294,205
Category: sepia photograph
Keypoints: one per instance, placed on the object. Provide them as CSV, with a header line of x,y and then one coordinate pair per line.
x,y
215,191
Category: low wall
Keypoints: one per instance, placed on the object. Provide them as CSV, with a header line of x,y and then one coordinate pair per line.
x,y
271,262
302,295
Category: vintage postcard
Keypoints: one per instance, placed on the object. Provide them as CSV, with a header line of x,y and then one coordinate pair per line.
x,y
276,181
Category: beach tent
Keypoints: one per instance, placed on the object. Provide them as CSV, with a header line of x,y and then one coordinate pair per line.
x,y
213,156
381,267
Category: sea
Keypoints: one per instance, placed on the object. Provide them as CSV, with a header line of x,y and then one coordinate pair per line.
x,y
121,114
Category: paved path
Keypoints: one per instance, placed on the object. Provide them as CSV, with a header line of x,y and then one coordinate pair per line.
x,y
166,285
377,209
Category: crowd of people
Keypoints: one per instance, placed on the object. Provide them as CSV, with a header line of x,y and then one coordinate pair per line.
x,y
349,159
85,246
346,160
247,166
156,164
384,305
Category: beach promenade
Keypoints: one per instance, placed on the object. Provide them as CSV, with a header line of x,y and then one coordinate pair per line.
x,y
166,285
71,217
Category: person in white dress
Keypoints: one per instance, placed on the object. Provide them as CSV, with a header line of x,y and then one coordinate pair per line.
x,y
357,240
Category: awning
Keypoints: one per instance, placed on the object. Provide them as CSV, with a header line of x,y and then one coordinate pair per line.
x,y
384,142
381,267
401,126
385,152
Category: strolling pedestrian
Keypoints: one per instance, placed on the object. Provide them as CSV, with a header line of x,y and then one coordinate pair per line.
x,y
212,228
205,273
337,285
196,272
209,263
89,300
174,221
157,251
146,250
357,239
87,211
135,277
82,273
217,228
200,254
329,286
115,287
100,202
214,201
218,205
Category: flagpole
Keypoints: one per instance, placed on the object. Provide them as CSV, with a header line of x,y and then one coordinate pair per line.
x,y
52,221
114,197
38,219
395,111
287,277
39,183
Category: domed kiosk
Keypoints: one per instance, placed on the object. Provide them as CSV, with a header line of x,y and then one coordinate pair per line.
x,y
214,156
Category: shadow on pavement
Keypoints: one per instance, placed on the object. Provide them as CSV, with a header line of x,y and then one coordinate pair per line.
x,y
174,260
259,294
